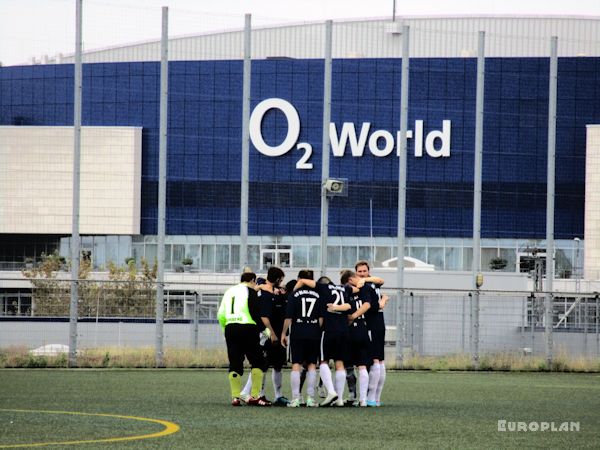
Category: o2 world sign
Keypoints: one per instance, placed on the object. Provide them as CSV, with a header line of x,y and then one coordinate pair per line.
x,y
380,143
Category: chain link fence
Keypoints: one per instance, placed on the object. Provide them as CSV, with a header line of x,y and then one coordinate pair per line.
x,y
432,322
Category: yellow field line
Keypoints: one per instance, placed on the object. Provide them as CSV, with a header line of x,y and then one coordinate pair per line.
x,y
170,428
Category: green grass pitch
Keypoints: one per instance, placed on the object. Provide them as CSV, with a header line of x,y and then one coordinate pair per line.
x,y
421,410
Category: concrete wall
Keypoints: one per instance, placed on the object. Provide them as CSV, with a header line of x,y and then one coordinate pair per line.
x,y
36,180
592,204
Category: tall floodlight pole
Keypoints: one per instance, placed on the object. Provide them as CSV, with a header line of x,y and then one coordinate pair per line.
x,y
476,268
325,145
162,184
73,314
550,198
245,187
402,194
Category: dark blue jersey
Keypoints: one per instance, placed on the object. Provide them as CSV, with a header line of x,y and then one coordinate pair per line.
x,y
337,321
359,331
304,307
374,315
273,308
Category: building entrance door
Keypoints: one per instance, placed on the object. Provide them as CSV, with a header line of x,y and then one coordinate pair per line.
x,y
279,258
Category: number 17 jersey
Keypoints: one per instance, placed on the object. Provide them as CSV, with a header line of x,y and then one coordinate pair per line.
x,y
304,307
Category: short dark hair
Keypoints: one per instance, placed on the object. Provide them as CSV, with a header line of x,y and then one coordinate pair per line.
x,y
306,274
275,274
289,287
346,275
248,277
362,262
324,280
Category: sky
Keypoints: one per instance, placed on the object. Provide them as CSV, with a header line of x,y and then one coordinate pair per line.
x,y
32,28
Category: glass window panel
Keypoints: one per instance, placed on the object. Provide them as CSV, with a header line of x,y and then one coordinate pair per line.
x,y
168,257
235,256
300,256
99,254
208,257
314,258
178,254
487,254
268,259
222,258
419,253
283,258
333,256
137,251
453,258
511,259
436,257
254,256
364,253
467,258
151,253
111,251
381,254
349,256
193,251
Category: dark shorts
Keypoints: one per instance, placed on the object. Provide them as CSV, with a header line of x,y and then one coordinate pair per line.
x,y
360,353
243,342
376,349
304,351
334,346
276,354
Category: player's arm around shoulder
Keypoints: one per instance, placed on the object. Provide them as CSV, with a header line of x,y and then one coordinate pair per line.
x,y
344,307
360,311
305,282
376,280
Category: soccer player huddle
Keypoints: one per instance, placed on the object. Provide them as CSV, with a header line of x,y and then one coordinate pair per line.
x,y
308,323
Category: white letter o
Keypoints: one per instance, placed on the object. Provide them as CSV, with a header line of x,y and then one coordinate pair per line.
x,y
293,120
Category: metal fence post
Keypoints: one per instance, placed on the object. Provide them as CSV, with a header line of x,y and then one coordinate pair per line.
x,y
477,183
195,321
245,175
327,62
162,187
523,320
73,307
585,327
471,322
597,334
533,315
463,324
550,190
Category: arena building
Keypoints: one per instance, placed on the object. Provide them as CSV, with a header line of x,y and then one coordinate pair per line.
x,y
121,136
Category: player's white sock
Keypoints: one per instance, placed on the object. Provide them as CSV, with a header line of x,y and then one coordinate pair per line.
x,y
276,377
311,381
373,382
295,382
340,382
381,381
363,379
325,373
247,387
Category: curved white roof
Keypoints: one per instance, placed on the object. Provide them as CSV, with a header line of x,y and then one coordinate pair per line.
x,y
378,38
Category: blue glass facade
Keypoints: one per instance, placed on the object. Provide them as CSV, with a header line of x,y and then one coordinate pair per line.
x,y
205,133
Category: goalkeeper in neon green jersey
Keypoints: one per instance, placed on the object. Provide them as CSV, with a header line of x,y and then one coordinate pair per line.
x,y
239,316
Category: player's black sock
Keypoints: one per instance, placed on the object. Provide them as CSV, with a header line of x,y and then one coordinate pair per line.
x,y
302,377
351,382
